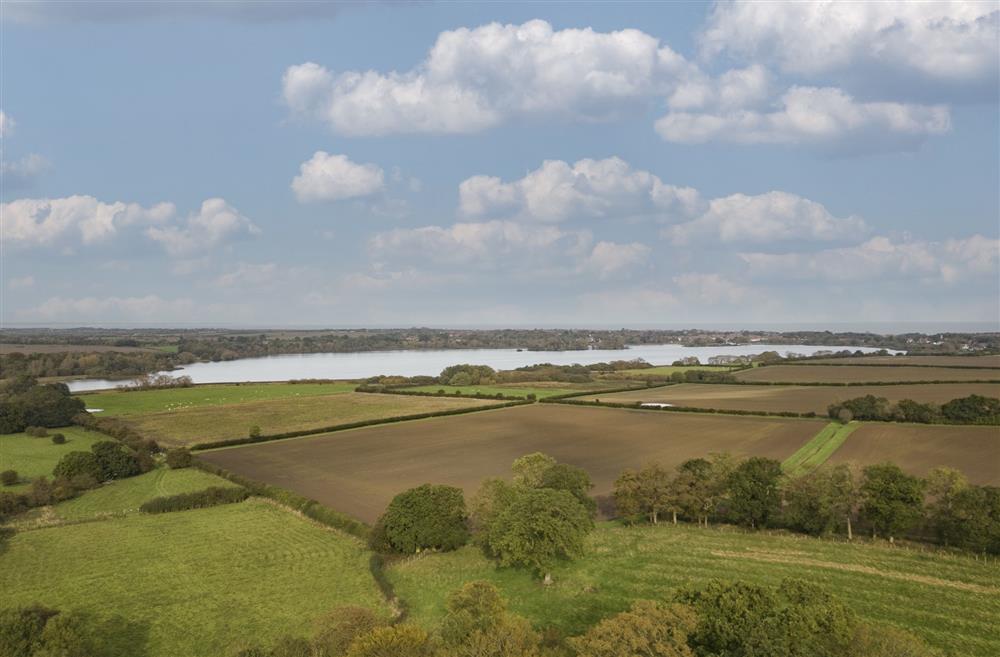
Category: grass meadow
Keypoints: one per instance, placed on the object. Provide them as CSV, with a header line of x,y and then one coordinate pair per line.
x,y
818,450
189,426
116,402
192,583
540,392
952,601
35,457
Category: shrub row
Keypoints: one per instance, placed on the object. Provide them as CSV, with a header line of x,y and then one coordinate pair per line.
x,y
341,427
392,390
213,496
681,409
307,507
950,367
115,428
845,384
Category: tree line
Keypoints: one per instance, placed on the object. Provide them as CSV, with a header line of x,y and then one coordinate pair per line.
x,y
974,409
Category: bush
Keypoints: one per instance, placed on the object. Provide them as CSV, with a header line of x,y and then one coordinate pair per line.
x,y
115,460
58,439
8,477
178,458
77,464
254,432
213,496
37,432
421,518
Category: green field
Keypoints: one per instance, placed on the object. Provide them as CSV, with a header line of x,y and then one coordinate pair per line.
x,y
667,370
35,457
125,496
115,402
188,426
192,583
952,601
510,391
816,452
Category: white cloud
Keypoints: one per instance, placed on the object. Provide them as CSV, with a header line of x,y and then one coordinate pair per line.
x,y
6,124
147,308
215,223
881,258
21,282
522,251
713,289
328,177
42,222
558,191
811,115
765,218
473,79
936,41
22,173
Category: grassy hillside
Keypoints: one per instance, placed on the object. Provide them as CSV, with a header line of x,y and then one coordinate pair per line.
x,y
194,582
115,402
127,495
35,457
952,601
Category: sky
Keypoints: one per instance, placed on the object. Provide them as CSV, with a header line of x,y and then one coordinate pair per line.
x,y
499,164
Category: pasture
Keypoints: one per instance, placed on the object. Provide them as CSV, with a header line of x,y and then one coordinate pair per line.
x,y
918,448
189,426
125,496
952,601
192,583
936,361
664,370
359,471
862,374
116,402
35,457
799,399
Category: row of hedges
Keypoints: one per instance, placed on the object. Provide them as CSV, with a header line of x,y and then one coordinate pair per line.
x,y
213,496
341,427
681,409
392,390
307,507
805,361
605,391
850,383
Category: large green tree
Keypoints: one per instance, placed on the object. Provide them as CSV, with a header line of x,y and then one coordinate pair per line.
x,y
477,624
755,491
424,517
892,501
647,629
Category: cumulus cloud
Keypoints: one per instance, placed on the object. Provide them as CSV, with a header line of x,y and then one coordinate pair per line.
x,y
811,115
215,223
327,177
882,258
43,222
520,250
558,191
23,172
6,124
475,78
21,282
249,275
766,218
713,288
953,42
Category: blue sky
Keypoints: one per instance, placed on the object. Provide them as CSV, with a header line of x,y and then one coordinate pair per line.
x,y
499,164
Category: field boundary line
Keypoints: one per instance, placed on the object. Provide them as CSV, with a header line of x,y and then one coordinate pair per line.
x,y
769,557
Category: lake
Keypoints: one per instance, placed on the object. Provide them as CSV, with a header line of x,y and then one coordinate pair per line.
x,y
360,365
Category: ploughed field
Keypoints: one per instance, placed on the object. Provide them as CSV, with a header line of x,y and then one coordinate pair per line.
x,y
862,374
199,424
953,601
919,448
799,399
938,361
359,471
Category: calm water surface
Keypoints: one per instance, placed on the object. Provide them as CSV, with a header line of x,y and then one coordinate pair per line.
x,y
359,365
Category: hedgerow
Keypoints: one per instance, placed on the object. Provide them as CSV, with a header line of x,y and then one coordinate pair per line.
x,y
213,496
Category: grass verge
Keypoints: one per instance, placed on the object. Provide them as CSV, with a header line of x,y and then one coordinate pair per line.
x,y
820,448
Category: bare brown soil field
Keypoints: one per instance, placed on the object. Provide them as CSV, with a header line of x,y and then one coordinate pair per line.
x,y
189,426
941,361
920,448
359,471
799,399
862,374
6,349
